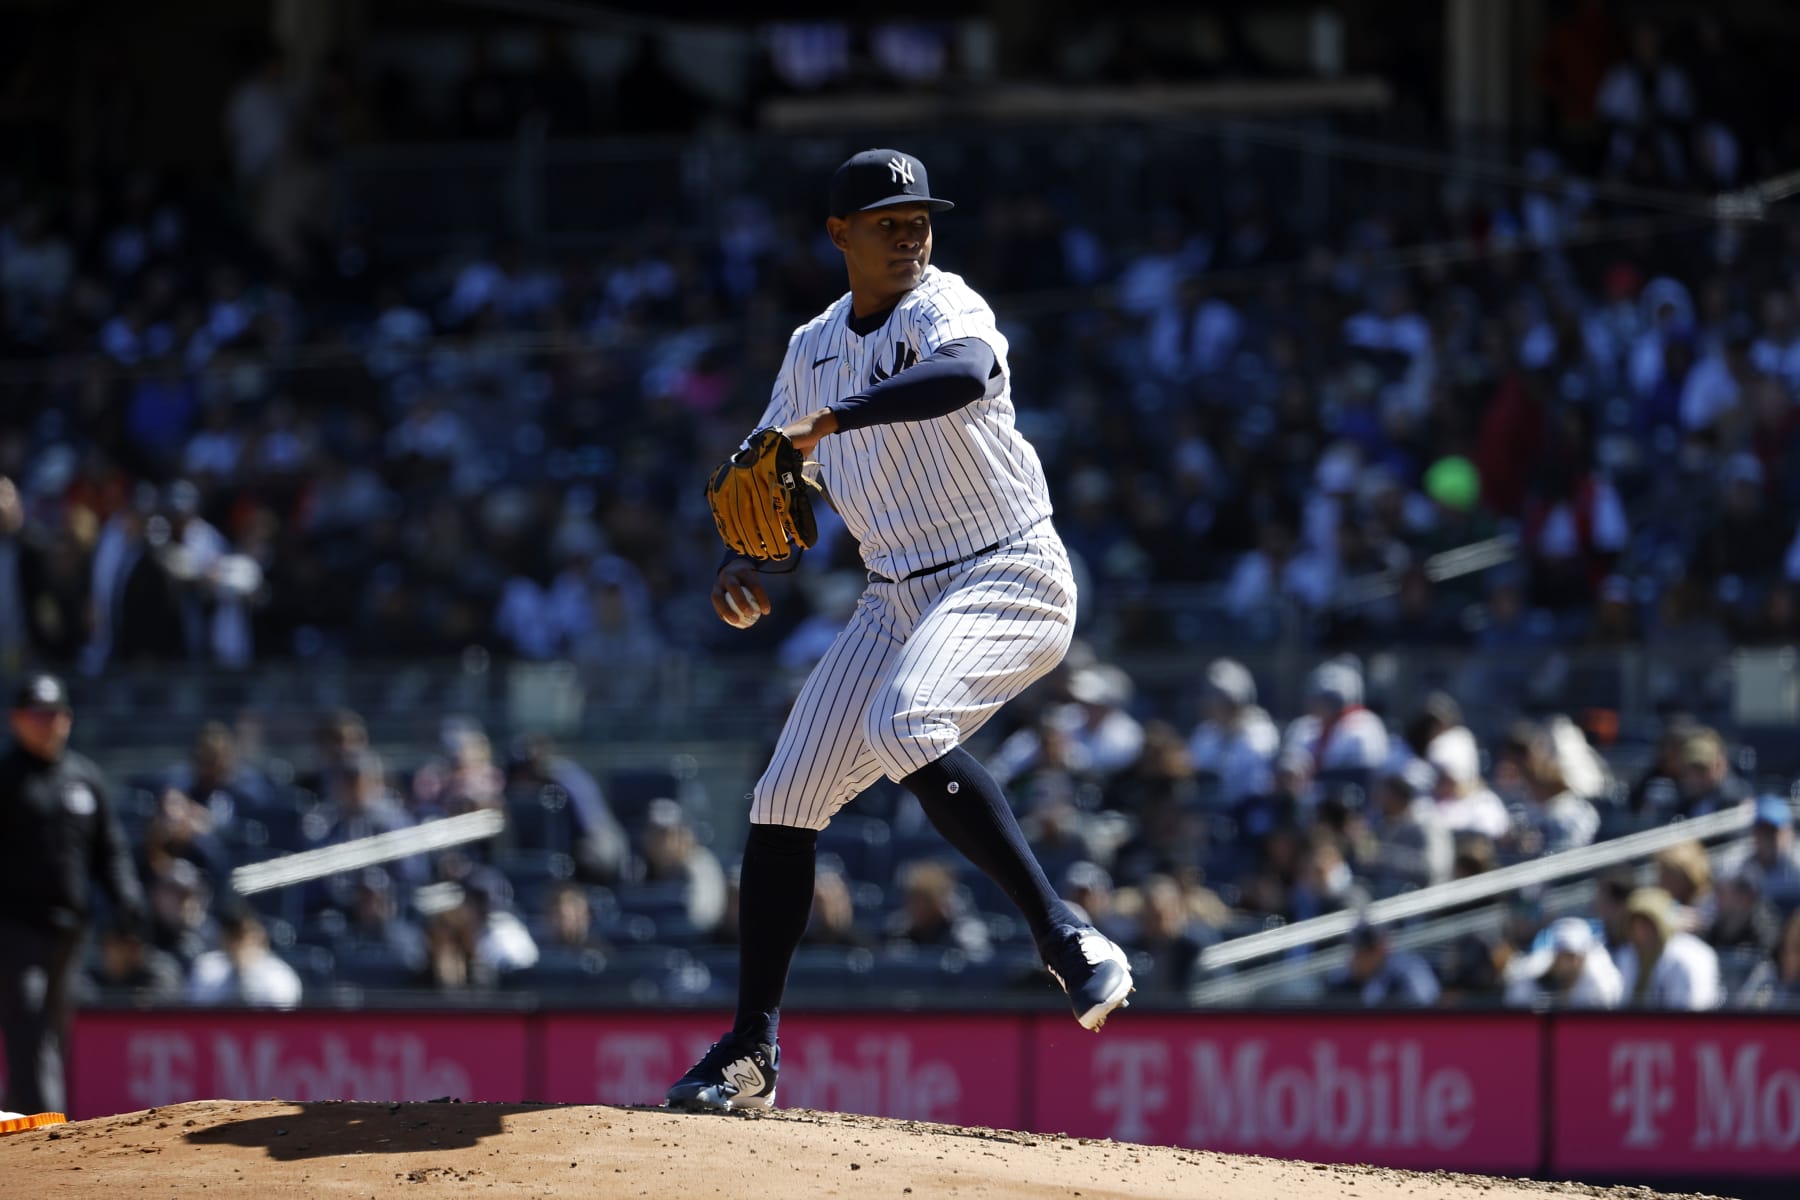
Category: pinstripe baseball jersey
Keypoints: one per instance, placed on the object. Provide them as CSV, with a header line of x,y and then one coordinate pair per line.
x,y
915,494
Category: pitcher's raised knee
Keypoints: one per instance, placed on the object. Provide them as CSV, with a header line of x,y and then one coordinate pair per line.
x,y
903,742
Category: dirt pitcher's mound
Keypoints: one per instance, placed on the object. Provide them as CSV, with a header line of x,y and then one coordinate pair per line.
x,y
272,1150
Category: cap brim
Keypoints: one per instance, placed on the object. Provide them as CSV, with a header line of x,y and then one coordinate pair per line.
x,y
895,201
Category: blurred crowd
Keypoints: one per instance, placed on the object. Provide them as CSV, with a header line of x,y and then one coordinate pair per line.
x,y
1171,837
1175,840
236,427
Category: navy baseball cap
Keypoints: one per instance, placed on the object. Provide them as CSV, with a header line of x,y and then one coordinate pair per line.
x,y
41,690
879,178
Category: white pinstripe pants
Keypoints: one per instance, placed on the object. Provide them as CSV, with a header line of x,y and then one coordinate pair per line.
x,y
921,666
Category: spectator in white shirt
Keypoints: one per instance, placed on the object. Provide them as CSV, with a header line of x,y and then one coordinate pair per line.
x,y
1549,816
1278,570
1668,317
672,854
1583,516
1714,390
1195,336
1661,966
1465,803
243,970
1152,281
1570,969
1391,329
1335,477
1337,731
502,943
526,615
1235,739
1097,721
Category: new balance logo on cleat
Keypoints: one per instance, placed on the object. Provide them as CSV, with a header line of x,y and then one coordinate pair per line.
x,y
745,1076
1092,970
733,1074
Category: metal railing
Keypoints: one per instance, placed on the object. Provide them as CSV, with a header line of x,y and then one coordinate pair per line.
x,y
1279,981
307,865
1582,861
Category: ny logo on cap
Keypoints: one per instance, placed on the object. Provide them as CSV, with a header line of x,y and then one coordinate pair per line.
x,y
900,169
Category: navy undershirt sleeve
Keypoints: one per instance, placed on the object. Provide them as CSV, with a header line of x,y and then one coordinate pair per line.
x,y
955,374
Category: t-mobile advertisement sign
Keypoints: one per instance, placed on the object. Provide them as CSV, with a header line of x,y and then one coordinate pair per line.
x,y
1681,1095
1391,1090
125,1061
963,1070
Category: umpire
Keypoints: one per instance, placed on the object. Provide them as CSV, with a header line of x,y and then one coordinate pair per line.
x,y
57,832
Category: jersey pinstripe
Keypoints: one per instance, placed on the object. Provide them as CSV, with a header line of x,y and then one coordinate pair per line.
x,y
922,665
925,662
917,493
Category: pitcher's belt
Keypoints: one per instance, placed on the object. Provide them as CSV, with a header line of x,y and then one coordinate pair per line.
x,y
878,577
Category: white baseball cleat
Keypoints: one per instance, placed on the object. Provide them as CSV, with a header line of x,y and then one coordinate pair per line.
x,y
1092,970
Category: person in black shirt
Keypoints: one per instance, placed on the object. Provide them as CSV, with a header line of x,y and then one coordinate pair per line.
x,y
57,833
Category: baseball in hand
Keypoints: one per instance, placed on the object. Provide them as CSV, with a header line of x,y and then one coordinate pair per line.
x,y
744,615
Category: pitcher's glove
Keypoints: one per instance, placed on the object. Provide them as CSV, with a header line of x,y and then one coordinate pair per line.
x,y
761,500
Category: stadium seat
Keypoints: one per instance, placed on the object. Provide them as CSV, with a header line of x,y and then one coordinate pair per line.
x,y
316,965
323,928
630,791
655,973
675,929
283,829
1777,750
719,958
376,970
907,968
824,969
1006,929
984,894
868,897
560,968
915,846
1735,965
532,874
538,819
1021,969
247,838
653,899
622,928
